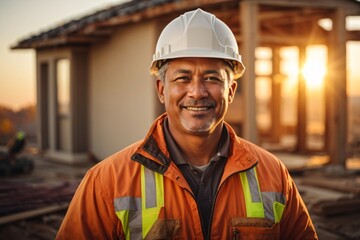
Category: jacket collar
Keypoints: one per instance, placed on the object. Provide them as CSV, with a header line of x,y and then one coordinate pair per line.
x,y
153,153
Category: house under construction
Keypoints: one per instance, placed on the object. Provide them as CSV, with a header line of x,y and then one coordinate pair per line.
x,y
95,94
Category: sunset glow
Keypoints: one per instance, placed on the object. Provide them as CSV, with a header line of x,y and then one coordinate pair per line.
x,y
314,72
314,69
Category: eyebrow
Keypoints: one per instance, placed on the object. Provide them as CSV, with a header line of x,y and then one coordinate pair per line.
x,y
212,72
184,71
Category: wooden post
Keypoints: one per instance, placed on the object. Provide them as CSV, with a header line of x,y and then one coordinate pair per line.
x,y
301,106
336,90
249,23
276,84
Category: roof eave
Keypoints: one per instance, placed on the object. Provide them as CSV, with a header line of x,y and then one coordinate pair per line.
x,y
81,29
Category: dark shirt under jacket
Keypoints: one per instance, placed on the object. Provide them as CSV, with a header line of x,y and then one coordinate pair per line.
x,y
203,184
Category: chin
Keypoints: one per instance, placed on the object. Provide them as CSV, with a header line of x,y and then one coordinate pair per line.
x,y
199,129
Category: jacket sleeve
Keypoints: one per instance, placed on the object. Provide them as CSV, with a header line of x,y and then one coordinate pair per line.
x,y
91,212
296,222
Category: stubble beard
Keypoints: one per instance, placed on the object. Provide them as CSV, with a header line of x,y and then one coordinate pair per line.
x,y
199,128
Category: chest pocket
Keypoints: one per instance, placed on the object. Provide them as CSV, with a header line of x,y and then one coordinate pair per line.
x,y
255,229
264,210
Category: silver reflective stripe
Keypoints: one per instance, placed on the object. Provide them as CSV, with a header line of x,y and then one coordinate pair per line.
x,y
133,206
269,198
150,188
127,203
135,224
269,205
139,214
253,184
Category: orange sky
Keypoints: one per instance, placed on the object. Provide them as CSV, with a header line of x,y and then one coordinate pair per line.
x,y
19,19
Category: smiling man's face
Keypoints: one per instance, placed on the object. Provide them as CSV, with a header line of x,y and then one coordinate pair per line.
x,y
196,93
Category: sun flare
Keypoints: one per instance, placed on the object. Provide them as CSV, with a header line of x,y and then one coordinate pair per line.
x,y
314,72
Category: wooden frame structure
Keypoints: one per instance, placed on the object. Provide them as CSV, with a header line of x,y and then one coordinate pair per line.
x,y
272,23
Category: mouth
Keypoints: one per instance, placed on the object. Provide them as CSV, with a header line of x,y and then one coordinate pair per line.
x,y
197,108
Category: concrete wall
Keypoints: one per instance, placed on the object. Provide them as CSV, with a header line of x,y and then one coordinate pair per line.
x,y
121,91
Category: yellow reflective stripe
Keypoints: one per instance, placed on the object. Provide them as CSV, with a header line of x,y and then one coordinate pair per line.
x,y
259,204
150,214
278,211
124,218
253,209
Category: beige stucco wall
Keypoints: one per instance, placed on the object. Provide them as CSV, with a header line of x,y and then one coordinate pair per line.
x,y
121,90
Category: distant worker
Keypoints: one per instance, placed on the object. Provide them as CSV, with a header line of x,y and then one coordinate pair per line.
x,y
16,144
191,177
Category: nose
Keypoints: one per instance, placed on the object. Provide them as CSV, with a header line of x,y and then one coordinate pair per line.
x,y
197,89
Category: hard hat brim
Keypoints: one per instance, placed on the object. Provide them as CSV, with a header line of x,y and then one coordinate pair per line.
x,y
238,67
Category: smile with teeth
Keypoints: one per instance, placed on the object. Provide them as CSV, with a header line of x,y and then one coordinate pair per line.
x,y
197,108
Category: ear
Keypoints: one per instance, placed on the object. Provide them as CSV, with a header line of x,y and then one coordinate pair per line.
x,y
232,91
160,90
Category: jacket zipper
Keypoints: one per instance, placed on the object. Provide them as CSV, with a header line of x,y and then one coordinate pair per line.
x,y
235,234
213,206
235,231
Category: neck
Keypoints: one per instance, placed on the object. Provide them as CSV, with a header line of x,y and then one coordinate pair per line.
x,y
198,149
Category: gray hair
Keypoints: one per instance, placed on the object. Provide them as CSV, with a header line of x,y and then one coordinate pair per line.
x,y
162,71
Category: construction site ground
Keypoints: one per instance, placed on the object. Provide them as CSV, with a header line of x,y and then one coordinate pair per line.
x,y
33,205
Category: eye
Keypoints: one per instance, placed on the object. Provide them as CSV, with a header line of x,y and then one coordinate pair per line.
x,y
182,78
213,79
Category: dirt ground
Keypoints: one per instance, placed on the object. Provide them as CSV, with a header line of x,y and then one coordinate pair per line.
x,y
331,194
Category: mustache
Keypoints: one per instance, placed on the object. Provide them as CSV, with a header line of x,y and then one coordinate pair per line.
x,y
199,102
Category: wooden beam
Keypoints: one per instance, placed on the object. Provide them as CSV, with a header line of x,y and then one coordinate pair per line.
x,y
301,105
286,40
336,91
344,184
33,213
353,35
95,29
309,3
276,95
162,10
299,14
249,10
345,206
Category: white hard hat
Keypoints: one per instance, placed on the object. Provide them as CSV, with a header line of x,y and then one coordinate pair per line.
x,y
197,34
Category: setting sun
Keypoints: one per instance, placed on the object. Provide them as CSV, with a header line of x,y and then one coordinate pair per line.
x,y
314,72
314,69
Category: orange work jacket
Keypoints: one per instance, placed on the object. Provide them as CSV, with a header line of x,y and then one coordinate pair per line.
x,y
115,183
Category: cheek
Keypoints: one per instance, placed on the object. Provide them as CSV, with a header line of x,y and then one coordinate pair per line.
x,y
175,94
219,93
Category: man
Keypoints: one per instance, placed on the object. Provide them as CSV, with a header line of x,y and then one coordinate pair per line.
x,y
191,177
